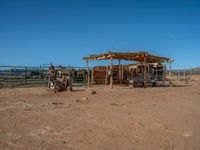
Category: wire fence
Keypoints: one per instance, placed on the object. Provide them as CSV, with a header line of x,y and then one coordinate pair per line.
x,y
185,74
29,76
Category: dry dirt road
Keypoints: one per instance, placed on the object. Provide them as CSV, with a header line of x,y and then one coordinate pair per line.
x,y
161,118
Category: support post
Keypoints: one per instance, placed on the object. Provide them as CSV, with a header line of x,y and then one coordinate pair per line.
x,y
106,78
111,73
156,72
184,76
120,73
170,74
145,73
178,75
92,76
25,76
88,74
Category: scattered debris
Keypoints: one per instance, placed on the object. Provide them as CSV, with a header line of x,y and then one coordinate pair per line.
x,y
27,109
77,101
57,103
64,142
115,104
84,98
68,105
60,104
93,92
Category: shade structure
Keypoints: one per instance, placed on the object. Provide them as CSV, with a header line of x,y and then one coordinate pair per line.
x,y
142,57
134,56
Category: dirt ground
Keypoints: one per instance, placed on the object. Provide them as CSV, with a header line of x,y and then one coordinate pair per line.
x,y
160,118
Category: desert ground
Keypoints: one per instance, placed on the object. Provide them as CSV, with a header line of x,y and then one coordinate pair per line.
x,y
99,118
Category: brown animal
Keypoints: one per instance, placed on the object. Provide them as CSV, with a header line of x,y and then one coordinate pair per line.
x,y
62,84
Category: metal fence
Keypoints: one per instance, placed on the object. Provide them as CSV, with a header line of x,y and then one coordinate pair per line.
x,y
184,74
28,76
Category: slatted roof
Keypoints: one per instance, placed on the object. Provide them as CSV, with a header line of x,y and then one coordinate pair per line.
x,y
134,56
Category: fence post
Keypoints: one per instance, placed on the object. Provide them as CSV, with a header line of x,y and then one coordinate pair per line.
x,y
190,74
25,76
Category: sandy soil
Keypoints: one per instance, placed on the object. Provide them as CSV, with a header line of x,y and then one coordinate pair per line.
x,y
161,118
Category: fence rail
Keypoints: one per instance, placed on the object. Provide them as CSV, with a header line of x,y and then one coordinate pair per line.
x,y
25,76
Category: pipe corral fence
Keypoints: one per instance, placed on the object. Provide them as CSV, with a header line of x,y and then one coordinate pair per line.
x,y
185,74
37,76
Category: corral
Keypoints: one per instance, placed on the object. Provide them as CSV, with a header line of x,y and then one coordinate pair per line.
x,y
34,76
96,117
164,118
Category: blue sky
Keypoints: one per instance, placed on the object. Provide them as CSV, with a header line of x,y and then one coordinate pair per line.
x,y
34,32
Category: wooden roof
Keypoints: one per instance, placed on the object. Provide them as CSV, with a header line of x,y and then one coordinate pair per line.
x,y
137,56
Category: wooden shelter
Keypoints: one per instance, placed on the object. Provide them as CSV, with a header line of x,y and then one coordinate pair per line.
x,y
142,57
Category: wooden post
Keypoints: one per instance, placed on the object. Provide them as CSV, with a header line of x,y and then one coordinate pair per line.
x,y
25,76
178,75
92,77
111,73
120,74
184,76
145,73
164,73
170,75
88,74
106,78
190,74
156,72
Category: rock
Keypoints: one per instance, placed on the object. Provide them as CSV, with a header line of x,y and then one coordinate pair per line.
x,y
93,92
27,109
114,104
57,103
77,101
84,98
68,105
64,142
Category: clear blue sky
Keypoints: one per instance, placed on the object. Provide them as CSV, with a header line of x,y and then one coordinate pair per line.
x,y
33,32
